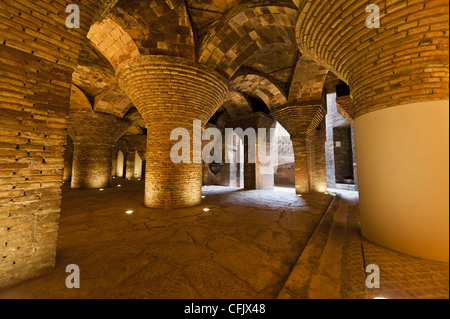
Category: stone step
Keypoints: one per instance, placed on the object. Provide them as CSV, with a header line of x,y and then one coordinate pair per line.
x,y
331,266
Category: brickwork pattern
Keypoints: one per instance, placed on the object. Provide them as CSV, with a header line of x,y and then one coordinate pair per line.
x,y
39,28
94,136
405,61
158,27
34,106
169,93
307,81
260,86
113,42
316,159
346,107
335,118
240,35
68,159
301,121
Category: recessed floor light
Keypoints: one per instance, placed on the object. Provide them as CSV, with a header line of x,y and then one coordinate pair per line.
x,y
299,195
206,210
129,212
119,185
101,189
203,196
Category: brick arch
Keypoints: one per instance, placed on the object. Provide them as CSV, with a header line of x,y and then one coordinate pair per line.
x,y
236,105
78,101
308,81
260,86
114,102
241,34
158,27
404,61
113,42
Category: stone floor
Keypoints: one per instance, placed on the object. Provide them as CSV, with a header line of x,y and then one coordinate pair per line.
x,y
250,244
244,247
333,264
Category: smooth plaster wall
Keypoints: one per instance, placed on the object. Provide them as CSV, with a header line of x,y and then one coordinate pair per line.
x,y
403,162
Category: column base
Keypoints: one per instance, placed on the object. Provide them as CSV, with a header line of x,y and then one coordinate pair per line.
x,y
403,163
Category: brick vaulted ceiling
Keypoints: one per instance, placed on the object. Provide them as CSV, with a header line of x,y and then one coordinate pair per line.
x,y
250,42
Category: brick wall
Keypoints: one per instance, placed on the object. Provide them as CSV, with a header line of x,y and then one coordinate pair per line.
x,y
34,105
333,120
68,159
37,56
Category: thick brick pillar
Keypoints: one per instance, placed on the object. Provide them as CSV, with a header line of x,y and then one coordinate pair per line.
x,y
130,161
170,93
94,136
317,167
399,78
257,175
300,147
34,107
68,160
37,56
302,122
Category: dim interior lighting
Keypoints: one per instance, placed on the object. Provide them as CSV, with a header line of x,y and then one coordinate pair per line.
x,y
114,177
101,189
119,185
129,179
139,179
206,210
129,212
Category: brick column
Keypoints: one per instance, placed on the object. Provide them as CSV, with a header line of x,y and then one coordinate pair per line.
x,y
68,159
317,167
170,93
94,136
130,158
301,121
301,163
255,174
399,79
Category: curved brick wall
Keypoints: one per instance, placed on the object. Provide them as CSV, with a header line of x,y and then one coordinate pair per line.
x,y
94,136
170,93
405,61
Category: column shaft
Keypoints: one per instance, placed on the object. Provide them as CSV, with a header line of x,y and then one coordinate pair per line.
x,y
94,136
299,144
130,159
92,166
170,93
